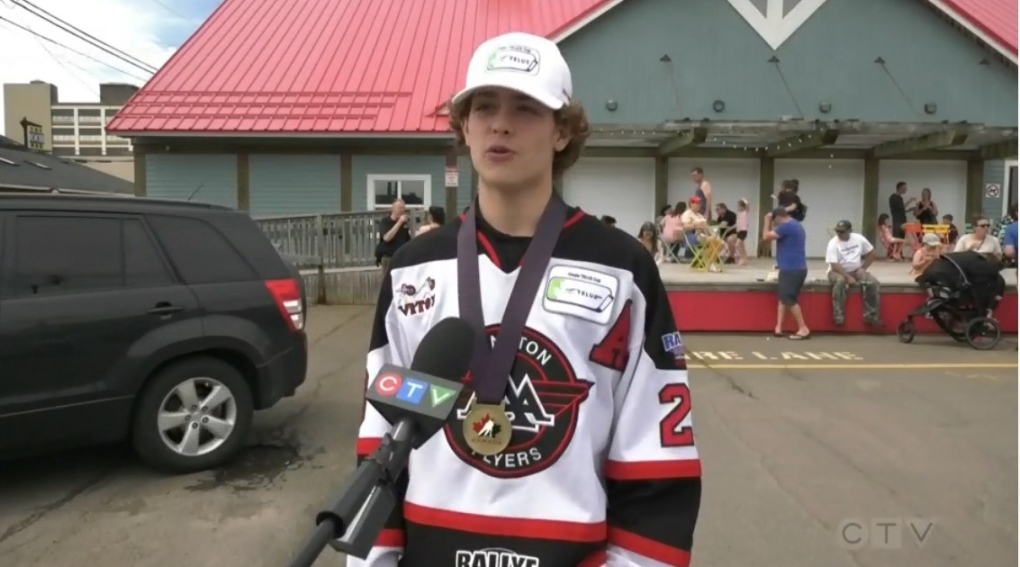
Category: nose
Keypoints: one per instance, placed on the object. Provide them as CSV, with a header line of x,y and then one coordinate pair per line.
x,y
502,122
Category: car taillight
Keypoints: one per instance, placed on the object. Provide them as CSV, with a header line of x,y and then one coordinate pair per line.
x,y
287,294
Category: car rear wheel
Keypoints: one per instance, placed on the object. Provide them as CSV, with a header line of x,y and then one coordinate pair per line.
x,y
192,416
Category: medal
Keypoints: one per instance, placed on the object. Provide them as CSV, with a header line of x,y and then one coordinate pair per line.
x,y
487,429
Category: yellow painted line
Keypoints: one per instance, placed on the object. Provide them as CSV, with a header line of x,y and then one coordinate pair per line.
x,y
852,366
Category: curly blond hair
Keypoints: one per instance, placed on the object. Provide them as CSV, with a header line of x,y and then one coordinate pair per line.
x,y
571,118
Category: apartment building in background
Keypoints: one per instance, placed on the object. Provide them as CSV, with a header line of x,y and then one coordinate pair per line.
x,y
35,116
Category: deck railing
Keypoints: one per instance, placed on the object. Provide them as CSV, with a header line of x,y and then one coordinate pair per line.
x,y
338,240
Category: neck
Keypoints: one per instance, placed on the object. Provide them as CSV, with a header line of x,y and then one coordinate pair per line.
x,y
517,212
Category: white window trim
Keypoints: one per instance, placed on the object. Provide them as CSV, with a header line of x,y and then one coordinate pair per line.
x,y
1005,185
373,177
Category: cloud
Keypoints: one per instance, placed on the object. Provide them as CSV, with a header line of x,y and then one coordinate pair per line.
x,y
145,29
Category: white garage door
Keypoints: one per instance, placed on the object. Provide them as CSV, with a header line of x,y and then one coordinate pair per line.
x,y
623,188
833,190
946,179
732,180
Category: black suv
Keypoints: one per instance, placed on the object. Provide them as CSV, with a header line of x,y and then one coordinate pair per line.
x,y
163,322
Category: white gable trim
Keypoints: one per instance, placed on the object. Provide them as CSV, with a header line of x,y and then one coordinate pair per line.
x,y
773,26
978,32
591,17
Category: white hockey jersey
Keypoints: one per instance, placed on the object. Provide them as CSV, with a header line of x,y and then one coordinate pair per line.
x,y
602,469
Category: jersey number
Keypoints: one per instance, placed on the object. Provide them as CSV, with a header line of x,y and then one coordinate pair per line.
x,y
611,352
671,434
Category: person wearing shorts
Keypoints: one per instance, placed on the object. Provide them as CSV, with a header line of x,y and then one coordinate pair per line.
x,y
791,259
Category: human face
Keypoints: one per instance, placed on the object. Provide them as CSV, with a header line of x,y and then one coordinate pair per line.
x,y
981,227
399,208
697,177
512,139
695,206
843,235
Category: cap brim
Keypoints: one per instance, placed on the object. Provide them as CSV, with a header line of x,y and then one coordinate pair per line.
x,y
506,82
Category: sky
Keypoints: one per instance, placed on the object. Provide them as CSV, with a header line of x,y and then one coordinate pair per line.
x,y
149,30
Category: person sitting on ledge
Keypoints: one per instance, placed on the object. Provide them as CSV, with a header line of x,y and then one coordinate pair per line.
x,y
849,254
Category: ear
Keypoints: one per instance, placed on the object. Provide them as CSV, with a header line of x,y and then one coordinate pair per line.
x,y
562,138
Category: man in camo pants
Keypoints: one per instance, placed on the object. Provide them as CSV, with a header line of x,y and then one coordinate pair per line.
x,y
849,254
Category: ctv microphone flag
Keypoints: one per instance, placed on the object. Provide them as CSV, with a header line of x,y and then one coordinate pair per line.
x,y
400,393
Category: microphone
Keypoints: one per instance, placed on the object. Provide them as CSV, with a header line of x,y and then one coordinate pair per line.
x,y
423,397
417,402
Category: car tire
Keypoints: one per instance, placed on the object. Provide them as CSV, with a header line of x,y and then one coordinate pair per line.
x,y
163,429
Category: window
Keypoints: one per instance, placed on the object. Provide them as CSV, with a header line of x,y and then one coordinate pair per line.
x,y
54,255
143,264
200,253
118,151
415,190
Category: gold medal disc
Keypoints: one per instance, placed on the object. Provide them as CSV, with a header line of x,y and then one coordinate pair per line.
x,y
487,429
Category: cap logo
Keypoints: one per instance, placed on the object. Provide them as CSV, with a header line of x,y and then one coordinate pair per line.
x,y
520,58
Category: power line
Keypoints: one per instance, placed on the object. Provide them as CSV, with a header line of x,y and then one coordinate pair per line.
x,y
85,36
57,43
89,87
169,9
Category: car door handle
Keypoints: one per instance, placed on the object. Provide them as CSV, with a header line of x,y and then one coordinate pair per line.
x,y
164,308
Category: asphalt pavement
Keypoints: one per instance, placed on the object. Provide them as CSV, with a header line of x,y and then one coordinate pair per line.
x,y
838,451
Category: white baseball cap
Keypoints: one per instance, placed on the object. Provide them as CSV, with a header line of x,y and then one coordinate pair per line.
x,y
526,63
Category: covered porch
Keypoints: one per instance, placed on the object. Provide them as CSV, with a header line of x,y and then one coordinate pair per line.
x,y
867,143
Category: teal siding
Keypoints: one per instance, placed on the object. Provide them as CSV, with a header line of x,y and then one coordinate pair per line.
x,y
717,55
995,172
293,184
204,178
465,190
363,166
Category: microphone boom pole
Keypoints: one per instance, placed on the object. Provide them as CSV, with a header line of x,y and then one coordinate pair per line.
x,y
417,401
357,516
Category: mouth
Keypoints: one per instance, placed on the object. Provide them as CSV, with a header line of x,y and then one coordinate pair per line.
x,y
498,150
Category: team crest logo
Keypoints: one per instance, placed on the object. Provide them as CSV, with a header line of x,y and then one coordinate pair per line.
x,y
415,300
543,399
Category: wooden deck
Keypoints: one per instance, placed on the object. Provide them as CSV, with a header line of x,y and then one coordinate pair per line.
x,y
892,275
346,286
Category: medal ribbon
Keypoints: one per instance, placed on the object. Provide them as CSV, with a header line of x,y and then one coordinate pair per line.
x,y
490,367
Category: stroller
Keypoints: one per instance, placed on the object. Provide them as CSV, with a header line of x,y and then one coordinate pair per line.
x,y
963,289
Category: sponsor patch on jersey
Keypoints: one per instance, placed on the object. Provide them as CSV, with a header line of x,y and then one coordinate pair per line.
x,y
673,344
412,299
495,557
580,292
543,399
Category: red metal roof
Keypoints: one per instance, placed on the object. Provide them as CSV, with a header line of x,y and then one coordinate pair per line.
x,y
996,18
329,66
265,67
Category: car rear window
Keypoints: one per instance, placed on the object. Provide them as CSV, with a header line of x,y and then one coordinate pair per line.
x,y
199,252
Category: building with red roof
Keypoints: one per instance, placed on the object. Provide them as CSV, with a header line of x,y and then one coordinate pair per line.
x,y
285,107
